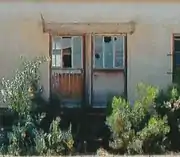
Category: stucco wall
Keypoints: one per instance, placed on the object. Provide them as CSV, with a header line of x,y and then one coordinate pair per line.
x,y
147,56
22,37
21,34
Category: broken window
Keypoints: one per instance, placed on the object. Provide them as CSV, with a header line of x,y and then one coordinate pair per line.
x,y
67,52
108,52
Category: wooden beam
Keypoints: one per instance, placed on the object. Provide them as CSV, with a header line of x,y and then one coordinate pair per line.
x,y
89,28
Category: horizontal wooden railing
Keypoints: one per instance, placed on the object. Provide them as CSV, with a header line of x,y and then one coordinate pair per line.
x,y
68,85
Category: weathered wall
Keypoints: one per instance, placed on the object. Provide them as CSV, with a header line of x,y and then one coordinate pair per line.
x,y
22,37
21,33
147,56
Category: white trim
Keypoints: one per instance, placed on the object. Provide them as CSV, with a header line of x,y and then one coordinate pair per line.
x,y
94,62
55,43
82,51
103,49
61,55
123,65
55,61
72,52
113,42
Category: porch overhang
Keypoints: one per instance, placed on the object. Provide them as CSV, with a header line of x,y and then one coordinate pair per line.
x,y
87,28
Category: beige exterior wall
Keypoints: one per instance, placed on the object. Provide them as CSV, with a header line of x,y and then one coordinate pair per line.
x,y
21,34
147,56
22,38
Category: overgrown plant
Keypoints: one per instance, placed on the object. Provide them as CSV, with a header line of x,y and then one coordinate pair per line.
x,y
55,141
18,92
27,137
136,128
170,106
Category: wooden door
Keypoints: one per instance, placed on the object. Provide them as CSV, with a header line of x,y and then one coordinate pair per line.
x,y
108,74
68,70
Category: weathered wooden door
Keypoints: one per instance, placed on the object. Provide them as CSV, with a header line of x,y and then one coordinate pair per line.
x,y
68,70
108,72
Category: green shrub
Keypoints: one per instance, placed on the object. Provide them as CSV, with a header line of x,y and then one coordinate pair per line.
x,y
136,128
27,136
170,107
55,141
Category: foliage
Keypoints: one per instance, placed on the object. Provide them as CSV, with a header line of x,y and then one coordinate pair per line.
x,y
170,107
136,128
55,141
27,136
18,92
102,152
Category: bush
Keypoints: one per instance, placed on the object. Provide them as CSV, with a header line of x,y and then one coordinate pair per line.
x,y
27,136
138,129
170,106
55,141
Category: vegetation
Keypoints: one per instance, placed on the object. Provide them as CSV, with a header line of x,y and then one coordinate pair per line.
x,y
149,126
137,128
27,136
168,103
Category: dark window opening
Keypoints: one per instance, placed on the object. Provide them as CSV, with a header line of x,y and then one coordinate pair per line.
x,y
66,37
97,56
107,39
67,61
176,45
176,52
176,60
67,58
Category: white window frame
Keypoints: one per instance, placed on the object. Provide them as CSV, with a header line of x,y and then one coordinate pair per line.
x,y
103,51
56,52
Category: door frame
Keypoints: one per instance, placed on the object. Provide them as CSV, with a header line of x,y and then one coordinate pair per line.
x,y
83,64
124,71
87,57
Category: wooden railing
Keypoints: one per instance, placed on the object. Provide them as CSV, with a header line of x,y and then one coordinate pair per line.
x,y
68,84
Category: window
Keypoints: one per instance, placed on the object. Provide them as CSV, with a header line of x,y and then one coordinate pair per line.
x,y
176,59
67,52
177,51
108,52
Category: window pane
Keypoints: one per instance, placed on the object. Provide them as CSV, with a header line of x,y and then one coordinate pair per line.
x,y
56,52
58,60
177,58
98,54
66,43
119,52
108,54
57,43
77,52
53,61
53,45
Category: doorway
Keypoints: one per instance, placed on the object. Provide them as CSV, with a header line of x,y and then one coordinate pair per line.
x,y
83,73
108,69
67,69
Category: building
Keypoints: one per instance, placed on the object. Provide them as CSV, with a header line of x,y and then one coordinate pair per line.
x,y
98,49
